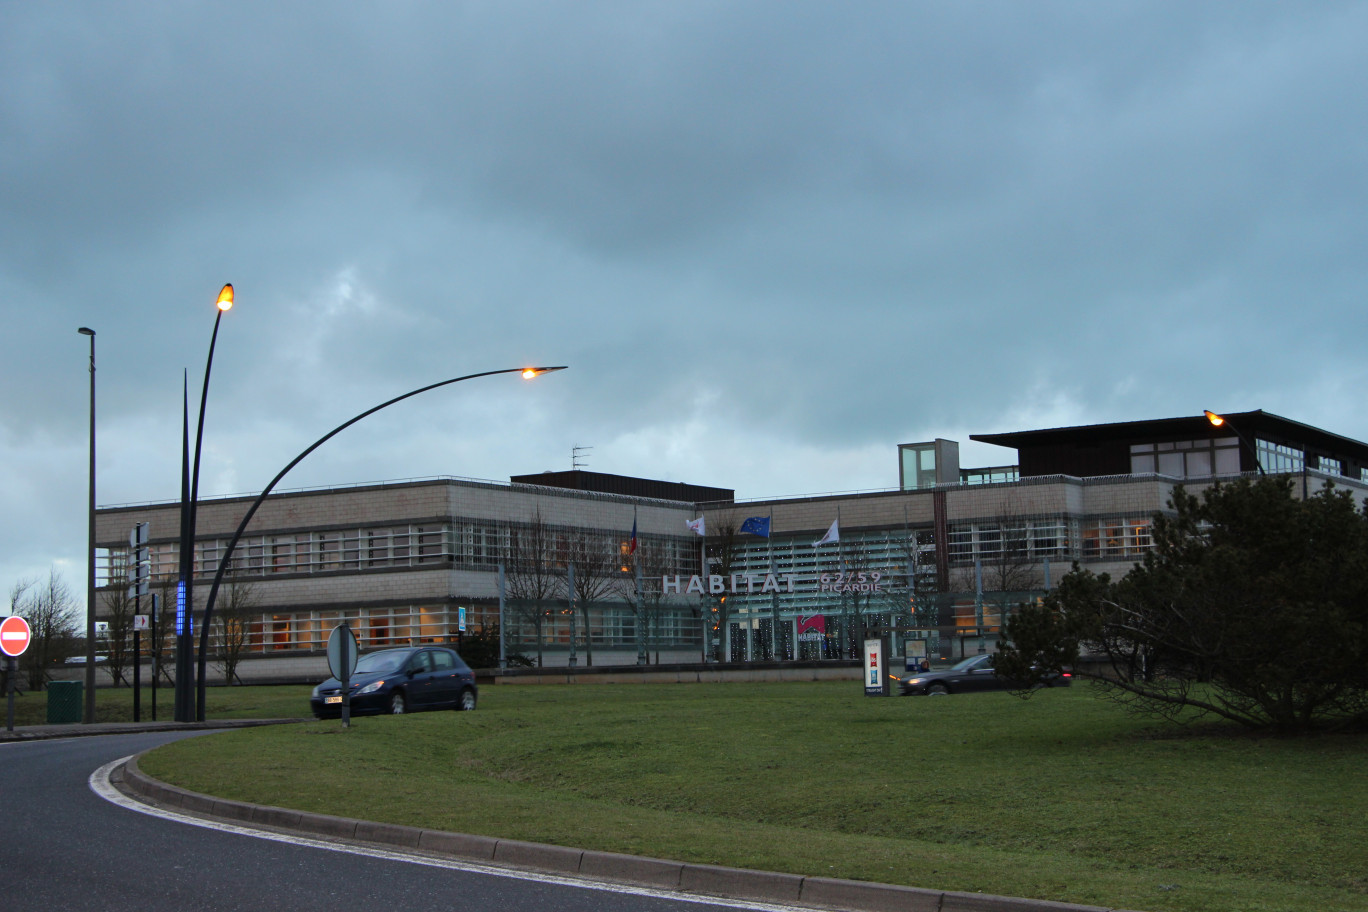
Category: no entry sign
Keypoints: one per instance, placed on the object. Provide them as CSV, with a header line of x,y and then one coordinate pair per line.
x,y
14,635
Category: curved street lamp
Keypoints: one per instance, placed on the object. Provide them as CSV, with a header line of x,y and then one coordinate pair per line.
x,y
1220,421
185,596
527,373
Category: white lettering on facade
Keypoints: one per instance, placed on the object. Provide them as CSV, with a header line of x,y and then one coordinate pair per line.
x,y
851,582
738,583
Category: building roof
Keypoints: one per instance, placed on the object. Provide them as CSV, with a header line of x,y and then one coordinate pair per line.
x,y
580,480
1258,423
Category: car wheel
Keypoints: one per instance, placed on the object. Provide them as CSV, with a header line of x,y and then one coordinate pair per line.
x,y
398,704
937,690
466,703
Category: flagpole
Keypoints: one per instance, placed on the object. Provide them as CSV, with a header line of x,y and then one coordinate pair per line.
x,y
703,612
774,596
840,565
640,599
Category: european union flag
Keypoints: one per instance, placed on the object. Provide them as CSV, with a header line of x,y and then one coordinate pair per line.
x,y
757,525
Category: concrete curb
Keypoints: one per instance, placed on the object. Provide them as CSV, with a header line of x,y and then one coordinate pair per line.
x,y
709,880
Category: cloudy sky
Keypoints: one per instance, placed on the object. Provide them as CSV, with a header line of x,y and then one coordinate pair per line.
x,y
771,239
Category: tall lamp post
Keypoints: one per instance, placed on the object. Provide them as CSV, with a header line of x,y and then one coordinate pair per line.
x,y
527,373
1221,421
89,714
185,592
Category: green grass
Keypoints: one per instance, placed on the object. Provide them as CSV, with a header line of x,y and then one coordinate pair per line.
x,y
1063,797
116,704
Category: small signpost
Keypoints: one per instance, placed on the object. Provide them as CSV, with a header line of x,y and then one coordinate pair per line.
x,y
139,625
342,655
140,576
14,639
876,674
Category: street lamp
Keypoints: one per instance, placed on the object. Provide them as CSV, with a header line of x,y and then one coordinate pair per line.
x,y
528,373
89,714
185,594
1221,421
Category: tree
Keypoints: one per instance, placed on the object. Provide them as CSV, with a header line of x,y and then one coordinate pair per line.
x,y
119,608
531,577
480,649
595,560
163,645
651,561
1252,606
50,610
232,624
724,548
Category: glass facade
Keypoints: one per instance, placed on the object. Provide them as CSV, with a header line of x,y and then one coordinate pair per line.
x,y
1187,458
918,465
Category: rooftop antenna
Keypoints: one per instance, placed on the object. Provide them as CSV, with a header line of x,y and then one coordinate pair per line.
x,y
577,457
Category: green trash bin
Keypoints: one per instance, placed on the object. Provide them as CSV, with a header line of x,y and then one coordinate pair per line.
x,y
65,702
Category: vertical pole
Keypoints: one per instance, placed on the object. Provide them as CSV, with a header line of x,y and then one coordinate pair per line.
x,y
703,575
181,712
503,642
641,615
775,640
570,593
978,601
156,653
10,672
137,673
345,642
89,714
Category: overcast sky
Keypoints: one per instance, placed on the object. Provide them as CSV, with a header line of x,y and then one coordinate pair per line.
x,y
771,239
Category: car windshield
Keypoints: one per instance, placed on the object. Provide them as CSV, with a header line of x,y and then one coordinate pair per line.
x,y
381,662
969,664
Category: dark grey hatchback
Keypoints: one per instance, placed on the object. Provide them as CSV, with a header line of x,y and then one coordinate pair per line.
x,y
400,681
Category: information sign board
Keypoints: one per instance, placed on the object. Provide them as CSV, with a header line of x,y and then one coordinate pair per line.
x,y
875,669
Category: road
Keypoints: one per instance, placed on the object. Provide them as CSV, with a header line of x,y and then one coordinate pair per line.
x,y
68,848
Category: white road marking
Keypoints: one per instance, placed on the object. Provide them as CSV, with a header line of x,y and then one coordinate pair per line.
x,y
100,785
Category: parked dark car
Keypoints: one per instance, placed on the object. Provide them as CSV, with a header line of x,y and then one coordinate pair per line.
x,y
400,681
970,675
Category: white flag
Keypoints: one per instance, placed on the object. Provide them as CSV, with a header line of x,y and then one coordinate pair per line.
x,y
832,535
696,525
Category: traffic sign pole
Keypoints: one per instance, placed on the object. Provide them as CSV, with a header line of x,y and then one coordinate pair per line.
x,y
11,670
14,639
348,663
137,676
342,655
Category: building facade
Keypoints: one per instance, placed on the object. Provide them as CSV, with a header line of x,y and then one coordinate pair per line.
x,y
583,568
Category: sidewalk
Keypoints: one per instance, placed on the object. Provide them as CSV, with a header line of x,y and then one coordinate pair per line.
x,y
78,730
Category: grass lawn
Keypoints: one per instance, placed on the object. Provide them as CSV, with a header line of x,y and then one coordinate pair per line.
x,y
1064,796
116,704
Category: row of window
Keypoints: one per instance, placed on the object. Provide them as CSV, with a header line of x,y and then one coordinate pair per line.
x,y
1221,456
464,544
381,628
1187,458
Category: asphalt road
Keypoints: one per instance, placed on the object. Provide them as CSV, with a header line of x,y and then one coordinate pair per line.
x,y
68,848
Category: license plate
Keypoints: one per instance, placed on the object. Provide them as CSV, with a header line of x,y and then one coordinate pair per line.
x,y
336,699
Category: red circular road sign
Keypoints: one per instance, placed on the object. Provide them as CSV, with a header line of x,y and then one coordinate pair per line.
x,y
14,635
